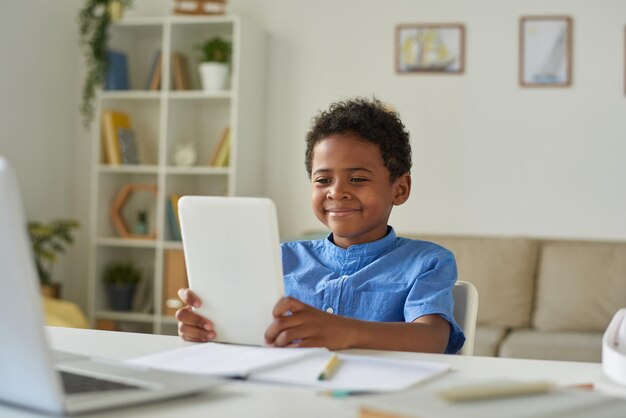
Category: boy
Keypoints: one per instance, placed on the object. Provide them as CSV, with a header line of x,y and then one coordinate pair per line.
x,y
361,287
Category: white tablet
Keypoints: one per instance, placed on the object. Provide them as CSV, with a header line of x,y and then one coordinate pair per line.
x,y
232,254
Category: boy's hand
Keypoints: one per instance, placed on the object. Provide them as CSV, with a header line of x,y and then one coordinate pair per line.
x,y
307,326
191,326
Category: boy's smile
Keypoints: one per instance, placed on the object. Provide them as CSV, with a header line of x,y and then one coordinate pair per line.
x,y
352,193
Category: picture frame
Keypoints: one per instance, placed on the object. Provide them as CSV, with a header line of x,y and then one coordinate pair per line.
x,y
430,48
545,51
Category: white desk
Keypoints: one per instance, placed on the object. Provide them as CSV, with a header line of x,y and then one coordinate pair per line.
x,y
246,399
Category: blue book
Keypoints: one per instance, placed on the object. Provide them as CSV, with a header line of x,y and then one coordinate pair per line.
x,y
117,71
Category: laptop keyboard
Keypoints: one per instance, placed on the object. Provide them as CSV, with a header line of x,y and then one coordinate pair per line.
x,y
76,383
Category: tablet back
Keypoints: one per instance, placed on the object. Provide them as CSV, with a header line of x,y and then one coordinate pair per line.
x,y
232,253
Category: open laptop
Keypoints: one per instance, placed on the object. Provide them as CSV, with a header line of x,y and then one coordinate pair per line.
x,y
33,376
232,254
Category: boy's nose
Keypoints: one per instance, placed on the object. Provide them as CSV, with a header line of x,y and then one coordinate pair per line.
x,y
337,193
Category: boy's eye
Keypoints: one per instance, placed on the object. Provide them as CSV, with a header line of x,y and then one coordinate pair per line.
x,y
357,180
322,180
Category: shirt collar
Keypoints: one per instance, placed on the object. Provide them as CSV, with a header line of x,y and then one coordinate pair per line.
x,y
374,248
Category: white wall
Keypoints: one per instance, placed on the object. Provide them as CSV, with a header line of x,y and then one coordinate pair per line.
x,y
489,156
40,136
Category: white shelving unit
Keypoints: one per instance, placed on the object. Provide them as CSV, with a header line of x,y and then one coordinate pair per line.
x,y
161,119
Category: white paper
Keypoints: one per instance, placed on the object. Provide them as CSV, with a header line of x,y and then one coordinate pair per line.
x,y
223,359
354,373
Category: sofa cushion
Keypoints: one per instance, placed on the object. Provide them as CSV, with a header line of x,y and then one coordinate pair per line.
x,y
487,340
551,345
503,271
580,285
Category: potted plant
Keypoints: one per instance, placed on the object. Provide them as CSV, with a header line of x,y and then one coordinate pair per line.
x,y
121,278
94,20
215,56
48,241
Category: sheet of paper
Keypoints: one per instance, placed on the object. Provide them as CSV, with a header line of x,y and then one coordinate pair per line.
x,y
354,373
223,359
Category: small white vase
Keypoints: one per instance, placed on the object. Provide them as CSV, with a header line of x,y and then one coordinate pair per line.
x,y
214,76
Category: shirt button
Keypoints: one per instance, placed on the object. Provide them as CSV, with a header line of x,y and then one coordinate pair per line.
x,y
330,310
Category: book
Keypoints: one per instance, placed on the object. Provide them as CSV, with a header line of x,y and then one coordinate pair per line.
x,y
128,146
180,72
297,366
175,278
221,153
116,77
172,216
217,359
112,121
154,78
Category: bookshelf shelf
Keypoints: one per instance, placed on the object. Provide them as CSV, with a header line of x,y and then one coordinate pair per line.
x,y
164,120
199,95
199,171
121,169
131,95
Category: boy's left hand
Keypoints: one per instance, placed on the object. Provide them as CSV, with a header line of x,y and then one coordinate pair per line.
x,y
297,324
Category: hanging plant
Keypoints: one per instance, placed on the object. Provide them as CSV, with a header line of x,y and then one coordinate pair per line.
x,y
94,20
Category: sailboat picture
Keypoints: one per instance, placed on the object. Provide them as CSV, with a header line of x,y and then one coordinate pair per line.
x,y
430,48
545,50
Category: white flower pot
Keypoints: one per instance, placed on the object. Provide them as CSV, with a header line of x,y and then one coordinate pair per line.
x,y
214,76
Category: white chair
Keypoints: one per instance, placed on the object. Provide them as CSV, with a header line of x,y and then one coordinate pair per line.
x,y
465,311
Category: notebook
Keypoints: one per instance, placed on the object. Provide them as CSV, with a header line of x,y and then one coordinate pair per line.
x,y
232,254
35,377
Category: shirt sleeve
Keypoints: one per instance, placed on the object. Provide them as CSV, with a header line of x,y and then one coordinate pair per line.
x,y
431,294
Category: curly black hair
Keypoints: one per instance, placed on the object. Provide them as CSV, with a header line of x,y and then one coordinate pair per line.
x,y
370,120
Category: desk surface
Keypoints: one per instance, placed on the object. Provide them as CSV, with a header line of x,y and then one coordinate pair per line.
x,y
241,399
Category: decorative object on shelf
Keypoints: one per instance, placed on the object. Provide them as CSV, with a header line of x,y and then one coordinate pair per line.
x,y
112,122
94,20
545,51
221,153
200,7
430,48
122,199
141,224
185,154
121,278
215,55
48,241
117,71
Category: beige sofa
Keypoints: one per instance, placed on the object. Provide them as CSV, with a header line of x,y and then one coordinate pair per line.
x,y
541,299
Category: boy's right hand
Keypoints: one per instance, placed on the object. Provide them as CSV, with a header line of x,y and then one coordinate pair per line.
x,y
191,326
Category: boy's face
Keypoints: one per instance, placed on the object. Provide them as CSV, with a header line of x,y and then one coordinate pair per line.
x,y
351,189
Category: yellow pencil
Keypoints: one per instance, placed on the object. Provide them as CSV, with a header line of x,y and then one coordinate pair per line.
x,y
330,368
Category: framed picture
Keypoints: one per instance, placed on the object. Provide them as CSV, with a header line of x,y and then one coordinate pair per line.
x,y
430,48
545,51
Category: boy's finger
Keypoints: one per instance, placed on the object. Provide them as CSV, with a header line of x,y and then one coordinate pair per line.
x,y
188,317
287,304
193,334
278,325
188,297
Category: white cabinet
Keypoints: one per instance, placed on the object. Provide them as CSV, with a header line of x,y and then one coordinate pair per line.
x,y
162,120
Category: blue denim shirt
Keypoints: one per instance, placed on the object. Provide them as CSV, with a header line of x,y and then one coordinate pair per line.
x,y
390,280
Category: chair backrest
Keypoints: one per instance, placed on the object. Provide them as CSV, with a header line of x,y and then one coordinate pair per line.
x,y
465,311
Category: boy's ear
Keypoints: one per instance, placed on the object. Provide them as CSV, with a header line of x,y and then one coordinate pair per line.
x,y
401,189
